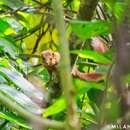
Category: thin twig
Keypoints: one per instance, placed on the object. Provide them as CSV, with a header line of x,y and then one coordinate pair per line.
x,y
38,40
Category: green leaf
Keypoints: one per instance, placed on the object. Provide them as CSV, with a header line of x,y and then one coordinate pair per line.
x,y
93,55
84,86
2,80
13,3
42,73
13,23
21,99
88,118
119,9
55,108
102,69
31,91
3,26
86,30
4,62
14,119
109,3
116,7
8,47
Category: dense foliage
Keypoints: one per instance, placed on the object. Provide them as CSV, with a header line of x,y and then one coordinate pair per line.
x,y
43,84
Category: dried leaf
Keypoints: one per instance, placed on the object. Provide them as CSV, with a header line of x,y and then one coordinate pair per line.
x,y
93,76
99,45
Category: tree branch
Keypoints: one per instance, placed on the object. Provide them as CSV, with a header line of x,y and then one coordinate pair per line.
x,y
122,69
87,9
39,39
72,121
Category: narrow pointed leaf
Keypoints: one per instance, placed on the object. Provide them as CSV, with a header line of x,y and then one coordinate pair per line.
x,y
30,90
14,119
86,30
93,55
8,47
55,108
21,99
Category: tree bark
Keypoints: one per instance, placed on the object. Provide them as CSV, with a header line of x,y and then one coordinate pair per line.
x,y
72,120
87,9
121,37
